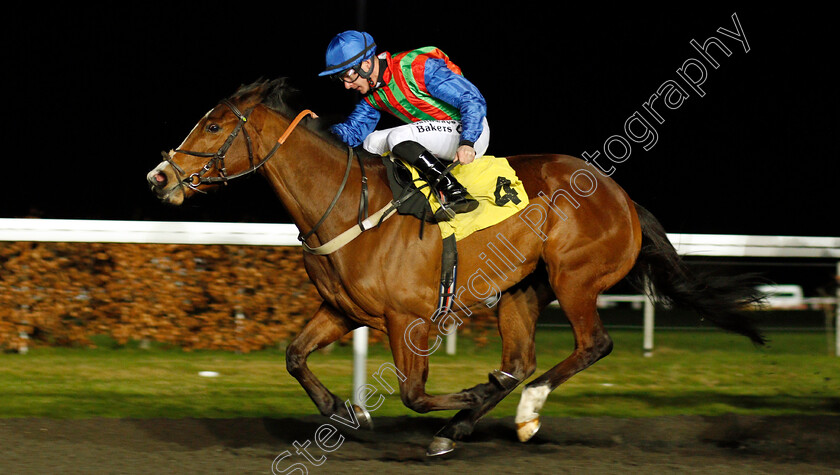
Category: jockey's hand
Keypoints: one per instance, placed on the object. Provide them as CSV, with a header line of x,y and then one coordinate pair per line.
x,y
465,154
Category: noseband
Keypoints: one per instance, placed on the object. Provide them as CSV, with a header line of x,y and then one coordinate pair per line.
x,y
217,160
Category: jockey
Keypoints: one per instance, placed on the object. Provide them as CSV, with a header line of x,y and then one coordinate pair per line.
x,y
444,113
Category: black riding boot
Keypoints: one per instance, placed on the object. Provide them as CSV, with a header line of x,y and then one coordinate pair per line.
x,y
452,195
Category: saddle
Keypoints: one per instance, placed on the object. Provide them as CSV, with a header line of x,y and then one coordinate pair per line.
x,y
490,180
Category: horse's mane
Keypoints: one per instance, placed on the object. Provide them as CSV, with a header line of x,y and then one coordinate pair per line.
x,y
281,97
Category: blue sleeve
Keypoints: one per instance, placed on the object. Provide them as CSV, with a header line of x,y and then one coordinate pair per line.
x,y
359,124
454,89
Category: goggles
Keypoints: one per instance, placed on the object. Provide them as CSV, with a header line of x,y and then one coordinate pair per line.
x,y
348,75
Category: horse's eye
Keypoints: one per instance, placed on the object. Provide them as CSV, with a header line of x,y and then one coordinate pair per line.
x,y
213,128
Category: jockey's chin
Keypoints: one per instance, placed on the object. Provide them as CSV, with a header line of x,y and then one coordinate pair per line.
x,y
360,85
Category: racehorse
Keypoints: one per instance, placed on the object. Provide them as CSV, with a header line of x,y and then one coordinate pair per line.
x,y
566,245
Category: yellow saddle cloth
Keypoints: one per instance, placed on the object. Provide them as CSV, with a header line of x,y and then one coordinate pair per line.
x,y
493,183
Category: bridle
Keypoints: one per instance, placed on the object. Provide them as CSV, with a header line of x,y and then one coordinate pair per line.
x,y
217,160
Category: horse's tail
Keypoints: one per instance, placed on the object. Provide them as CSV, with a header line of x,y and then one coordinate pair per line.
x,y
664,276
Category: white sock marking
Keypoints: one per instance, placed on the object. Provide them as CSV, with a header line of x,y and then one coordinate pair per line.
x,y
530,404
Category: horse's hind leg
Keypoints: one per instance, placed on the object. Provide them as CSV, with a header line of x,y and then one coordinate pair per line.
x,y
518,310
325,327
578,299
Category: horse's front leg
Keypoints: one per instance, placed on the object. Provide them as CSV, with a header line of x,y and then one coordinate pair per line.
x,y
409,340
325,327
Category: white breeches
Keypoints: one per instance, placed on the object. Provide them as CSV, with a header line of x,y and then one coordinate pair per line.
x,y
440,137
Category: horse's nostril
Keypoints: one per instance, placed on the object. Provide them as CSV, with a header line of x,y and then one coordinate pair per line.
x,y
159,179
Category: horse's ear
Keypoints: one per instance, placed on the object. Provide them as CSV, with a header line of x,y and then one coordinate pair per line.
x,y
277,94
280,95
284,88
251,94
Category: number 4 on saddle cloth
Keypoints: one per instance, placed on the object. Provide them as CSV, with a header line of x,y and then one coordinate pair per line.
x,y
489,180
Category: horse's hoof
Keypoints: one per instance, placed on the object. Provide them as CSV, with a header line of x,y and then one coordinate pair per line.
x,y
526,430
440,446
363,416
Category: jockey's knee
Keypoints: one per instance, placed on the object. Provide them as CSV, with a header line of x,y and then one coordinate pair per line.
x,y
401,135
408,150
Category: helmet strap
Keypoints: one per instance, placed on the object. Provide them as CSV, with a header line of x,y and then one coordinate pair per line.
x,y
362,72
367,74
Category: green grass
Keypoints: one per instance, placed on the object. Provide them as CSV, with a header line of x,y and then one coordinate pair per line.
x,y
691,372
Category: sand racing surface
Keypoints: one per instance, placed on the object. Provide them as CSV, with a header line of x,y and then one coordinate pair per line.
x,y
679,444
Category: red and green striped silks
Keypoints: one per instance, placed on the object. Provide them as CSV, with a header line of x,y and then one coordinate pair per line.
x,y
405,95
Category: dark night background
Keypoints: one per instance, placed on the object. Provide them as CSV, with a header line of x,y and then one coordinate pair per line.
x,y
97,93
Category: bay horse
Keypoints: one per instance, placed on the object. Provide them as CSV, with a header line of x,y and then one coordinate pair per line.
x,y
579,236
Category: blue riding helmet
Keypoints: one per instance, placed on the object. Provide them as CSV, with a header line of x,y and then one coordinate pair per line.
x,y
347,50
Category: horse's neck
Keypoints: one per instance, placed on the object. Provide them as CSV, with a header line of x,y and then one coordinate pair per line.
x,y
306,173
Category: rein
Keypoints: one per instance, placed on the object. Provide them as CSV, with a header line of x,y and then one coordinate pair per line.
x,y
362,203
217,160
